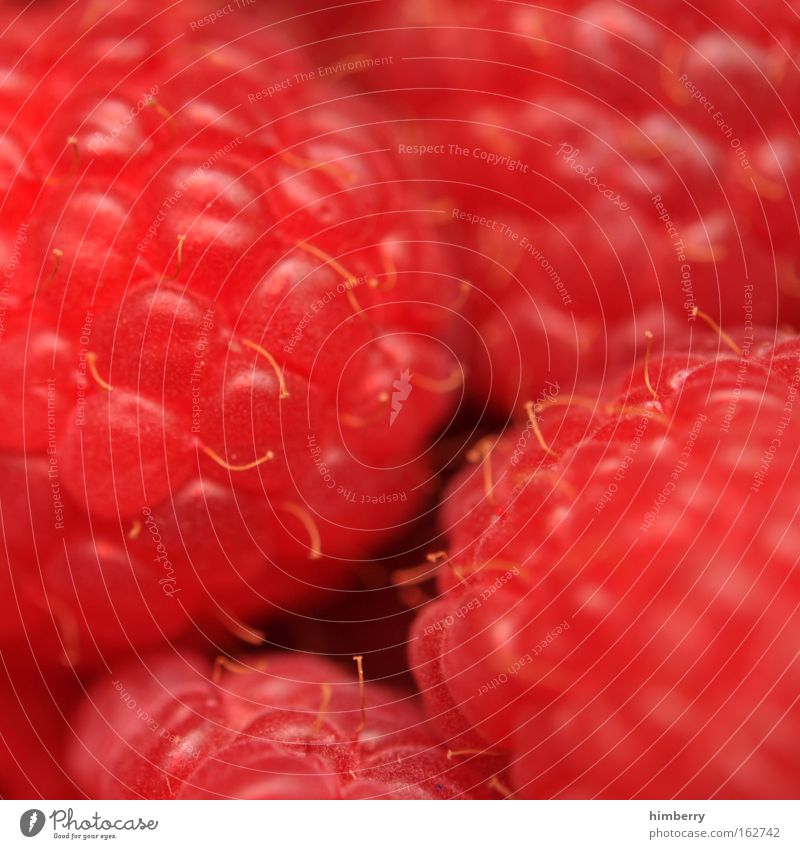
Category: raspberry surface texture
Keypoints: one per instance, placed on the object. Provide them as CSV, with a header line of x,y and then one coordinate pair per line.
x,y
619,611
401,400
271,727
228,335
35,704
597,165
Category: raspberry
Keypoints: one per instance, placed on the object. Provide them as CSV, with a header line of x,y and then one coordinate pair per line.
x,y
274,726
595,160
619,611
210,299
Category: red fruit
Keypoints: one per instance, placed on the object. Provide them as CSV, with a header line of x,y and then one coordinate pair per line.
x,y
594,160
224,356
34,707
620,609
270,727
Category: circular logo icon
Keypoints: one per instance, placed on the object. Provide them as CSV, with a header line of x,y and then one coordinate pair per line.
x,y
31,822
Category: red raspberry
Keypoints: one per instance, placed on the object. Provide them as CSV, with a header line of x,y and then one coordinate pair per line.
x,y
621,606
223,353
271,727
595,159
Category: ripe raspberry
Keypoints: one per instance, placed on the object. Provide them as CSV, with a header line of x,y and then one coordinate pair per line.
x,y
224,352
271,727
594,160
621,606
